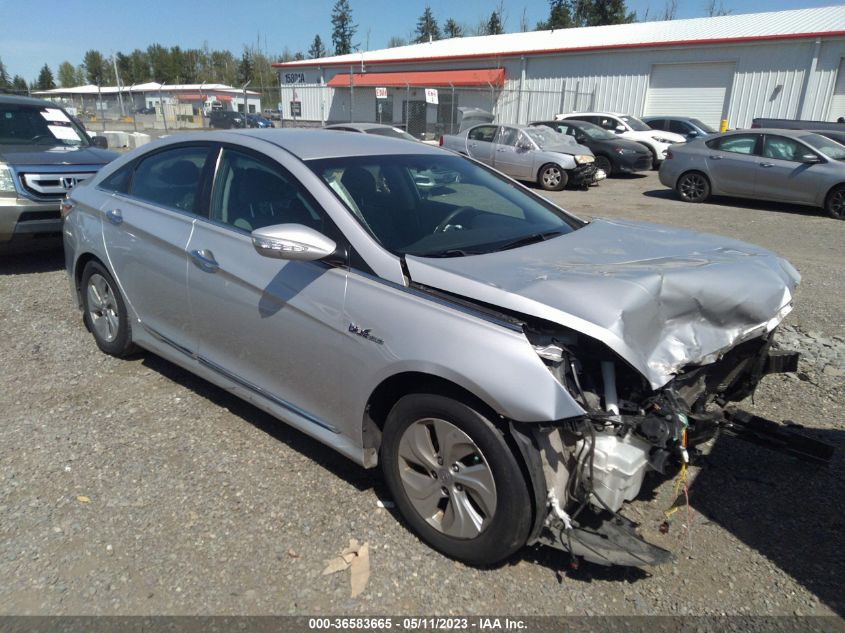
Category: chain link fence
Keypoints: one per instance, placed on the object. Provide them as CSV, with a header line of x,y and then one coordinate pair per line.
x,y
423,116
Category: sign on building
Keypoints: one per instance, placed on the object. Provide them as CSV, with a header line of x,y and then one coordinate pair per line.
x,y
296,108
381,93
431,95
294,78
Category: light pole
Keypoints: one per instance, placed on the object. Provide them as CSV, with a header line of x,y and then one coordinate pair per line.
x,y
246,121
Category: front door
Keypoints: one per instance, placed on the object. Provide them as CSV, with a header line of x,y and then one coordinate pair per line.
x,y
512,156
270,325
781,176
480,143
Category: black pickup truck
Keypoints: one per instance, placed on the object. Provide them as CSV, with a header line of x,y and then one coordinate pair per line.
x,y
43,155
833,131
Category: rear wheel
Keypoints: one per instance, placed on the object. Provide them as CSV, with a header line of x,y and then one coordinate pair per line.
x,y
693,186
603,163
454,479
552,178
835,204
104,311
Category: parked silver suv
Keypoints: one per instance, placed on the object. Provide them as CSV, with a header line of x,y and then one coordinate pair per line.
x,y
514,370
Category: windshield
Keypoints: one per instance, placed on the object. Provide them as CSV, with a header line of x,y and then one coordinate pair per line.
x,y
635,124
703,126
392,132
439,206
826,146
545,136
23,124
594,131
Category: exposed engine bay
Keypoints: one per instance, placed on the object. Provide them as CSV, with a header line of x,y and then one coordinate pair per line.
x,y
592,464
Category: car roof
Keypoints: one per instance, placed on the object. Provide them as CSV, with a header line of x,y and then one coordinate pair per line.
x,y
14,99
575,115
360,126
653,117
309,144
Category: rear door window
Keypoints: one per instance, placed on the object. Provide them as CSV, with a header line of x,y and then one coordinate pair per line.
x,y
484,133
171,178
736,143
782,148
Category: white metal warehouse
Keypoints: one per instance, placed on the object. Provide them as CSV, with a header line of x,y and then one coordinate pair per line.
x,y
785,64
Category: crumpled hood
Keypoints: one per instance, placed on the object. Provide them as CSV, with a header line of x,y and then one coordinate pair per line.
x,y
59,155
572,148
660,297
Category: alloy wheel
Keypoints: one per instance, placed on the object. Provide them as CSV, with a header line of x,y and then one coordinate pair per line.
x,y
447,478
692,187
102,308
551,177
836,204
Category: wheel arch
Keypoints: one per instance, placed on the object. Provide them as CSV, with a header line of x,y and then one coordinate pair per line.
x,y
515,435
79,266
829,192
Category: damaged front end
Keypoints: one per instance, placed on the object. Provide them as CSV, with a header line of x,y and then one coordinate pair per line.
x,y
586,467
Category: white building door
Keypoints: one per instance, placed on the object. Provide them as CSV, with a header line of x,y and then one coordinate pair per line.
x,y
698,90
837,103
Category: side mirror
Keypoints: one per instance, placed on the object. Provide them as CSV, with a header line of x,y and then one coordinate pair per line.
x,y
581,139
523,147
620,129
809,159
692,134
292,241
100,141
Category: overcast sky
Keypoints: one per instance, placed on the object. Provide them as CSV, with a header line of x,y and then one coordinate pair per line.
x,y
52,31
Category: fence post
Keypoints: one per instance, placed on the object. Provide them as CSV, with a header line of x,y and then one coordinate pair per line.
x,y
519,94
351,96
161,105
563,97
492,101
407,106
102,108
452,115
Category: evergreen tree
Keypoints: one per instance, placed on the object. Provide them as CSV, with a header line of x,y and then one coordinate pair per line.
x,y
494,24
246,67
343,29
95,67
452,29
427,29
601,12
317,49
560,16
45,79
396,41
19,84
4,76
67,75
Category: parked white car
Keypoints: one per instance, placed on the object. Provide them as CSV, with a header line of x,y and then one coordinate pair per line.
x,y
630,127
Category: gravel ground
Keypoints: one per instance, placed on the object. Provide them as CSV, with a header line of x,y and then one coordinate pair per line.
x,y
131,487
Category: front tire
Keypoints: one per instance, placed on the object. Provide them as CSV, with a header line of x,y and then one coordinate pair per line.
x,y
552,177
835,203
454,479
104,311
693,186
603,163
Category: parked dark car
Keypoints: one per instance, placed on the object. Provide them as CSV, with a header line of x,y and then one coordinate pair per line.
x,y
613,154
683,125
833,131
145,111
226,119
258,121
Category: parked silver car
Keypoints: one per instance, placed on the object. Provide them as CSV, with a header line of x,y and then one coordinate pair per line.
x,y
765,164
531,154
514,370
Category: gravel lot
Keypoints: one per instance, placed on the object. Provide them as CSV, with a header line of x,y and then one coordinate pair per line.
x,y
131,487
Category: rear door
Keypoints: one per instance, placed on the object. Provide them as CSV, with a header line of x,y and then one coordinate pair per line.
x,y
732,163
512,156
480,143
272,326
146,231
782,176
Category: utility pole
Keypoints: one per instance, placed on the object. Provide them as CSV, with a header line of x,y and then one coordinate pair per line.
x,y
117,78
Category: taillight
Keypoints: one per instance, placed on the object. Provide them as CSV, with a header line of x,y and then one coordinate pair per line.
x,y
668,154
440,142
66,208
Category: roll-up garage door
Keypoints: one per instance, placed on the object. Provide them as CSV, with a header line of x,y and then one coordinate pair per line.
x,y
694,90
837,103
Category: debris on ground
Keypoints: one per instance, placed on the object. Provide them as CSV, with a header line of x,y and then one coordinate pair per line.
x,y
356,558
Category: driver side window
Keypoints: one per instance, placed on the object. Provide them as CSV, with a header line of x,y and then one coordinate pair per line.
x,y
484,133
250,193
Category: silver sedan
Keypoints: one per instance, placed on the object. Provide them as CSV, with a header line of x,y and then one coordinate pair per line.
x,y
416,310
765,164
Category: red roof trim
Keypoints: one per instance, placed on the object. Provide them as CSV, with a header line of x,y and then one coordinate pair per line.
x,y
429,78
585,49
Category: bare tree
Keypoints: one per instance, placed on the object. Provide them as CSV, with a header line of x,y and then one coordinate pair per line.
x,y
717,7
670,10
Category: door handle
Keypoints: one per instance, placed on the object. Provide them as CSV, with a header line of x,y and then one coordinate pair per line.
x,y
717,157
766,164
204,259
500,149
115,216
